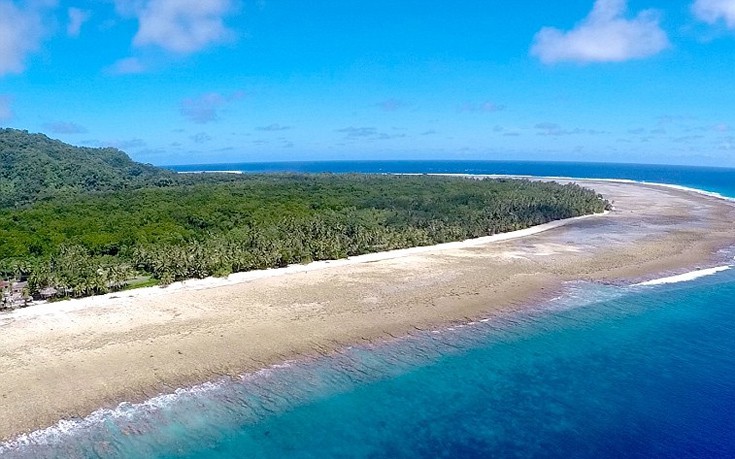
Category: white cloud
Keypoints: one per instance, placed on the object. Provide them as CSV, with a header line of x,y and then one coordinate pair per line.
x,y
21,32
201,137
391,105
65,127
367,133
605,35
483,107
127,66
273,128
203,109
553,129
6,112
721,127
711,11
179,26
119,144
77,18
206,107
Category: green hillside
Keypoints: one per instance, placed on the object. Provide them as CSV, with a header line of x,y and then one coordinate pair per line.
x,y
35,167
80,221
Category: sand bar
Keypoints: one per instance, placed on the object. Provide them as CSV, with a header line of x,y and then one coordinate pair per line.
x,y
68,359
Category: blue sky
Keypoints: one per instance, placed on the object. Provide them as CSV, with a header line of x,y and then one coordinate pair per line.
x,y
203,81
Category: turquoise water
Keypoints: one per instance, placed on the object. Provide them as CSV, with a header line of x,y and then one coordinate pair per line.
x,y
638,372
602,372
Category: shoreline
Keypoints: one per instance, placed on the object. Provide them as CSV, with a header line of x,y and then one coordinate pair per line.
x,y
254,275
249,276
712,194
69,427
325,309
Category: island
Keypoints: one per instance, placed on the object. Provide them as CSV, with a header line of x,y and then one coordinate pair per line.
x,y
118,224
431,257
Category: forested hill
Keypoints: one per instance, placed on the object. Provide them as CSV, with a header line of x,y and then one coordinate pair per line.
x,y
35,167
80,221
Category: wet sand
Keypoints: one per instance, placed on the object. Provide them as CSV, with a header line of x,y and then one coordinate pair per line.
x,y
68,359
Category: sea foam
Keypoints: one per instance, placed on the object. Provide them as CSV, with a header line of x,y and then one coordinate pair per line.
x,y
686,277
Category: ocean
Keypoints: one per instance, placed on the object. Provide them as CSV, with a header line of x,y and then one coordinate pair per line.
x,y
601,372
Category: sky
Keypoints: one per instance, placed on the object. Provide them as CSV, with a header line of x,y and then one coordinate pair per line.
x,y
215,81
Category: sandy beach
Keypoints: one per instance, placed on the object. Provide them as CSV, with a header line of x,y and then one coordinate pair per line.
x,y
68,359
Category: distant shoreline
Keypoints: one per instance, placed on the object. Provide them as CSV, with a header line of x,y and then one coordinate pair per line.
x,y
132,346
496,176
209,172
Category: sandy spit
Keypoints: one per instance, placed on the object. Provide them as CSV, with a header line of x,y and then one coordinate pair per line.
x,y
68,359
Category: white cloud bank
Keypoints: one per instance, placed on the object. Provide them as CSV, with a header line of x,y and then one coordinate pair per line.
x,y
21,33
711,11
179,26
605,35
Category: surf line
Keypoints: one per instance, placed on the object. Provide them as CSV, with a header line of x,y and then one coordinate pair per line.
x,y
686,277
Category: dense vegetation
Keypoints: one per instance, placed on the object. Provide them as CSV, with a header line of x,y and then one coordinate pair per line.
x,y
35,167
79,221
93,243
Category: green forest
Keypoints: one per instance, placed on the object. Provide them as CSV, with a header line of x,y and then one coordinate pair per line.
x,y
35,167
164,227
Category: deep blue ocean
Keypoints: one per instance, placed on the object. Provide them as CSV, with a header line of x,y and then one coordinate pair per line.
x,y
602,372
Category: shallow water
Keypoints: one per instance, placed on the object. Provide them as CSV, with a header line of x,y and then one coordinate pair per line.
x,y
603,372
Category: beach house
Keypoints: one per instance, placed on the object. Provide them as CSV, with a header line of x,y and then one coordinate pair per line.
x,y
13,294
